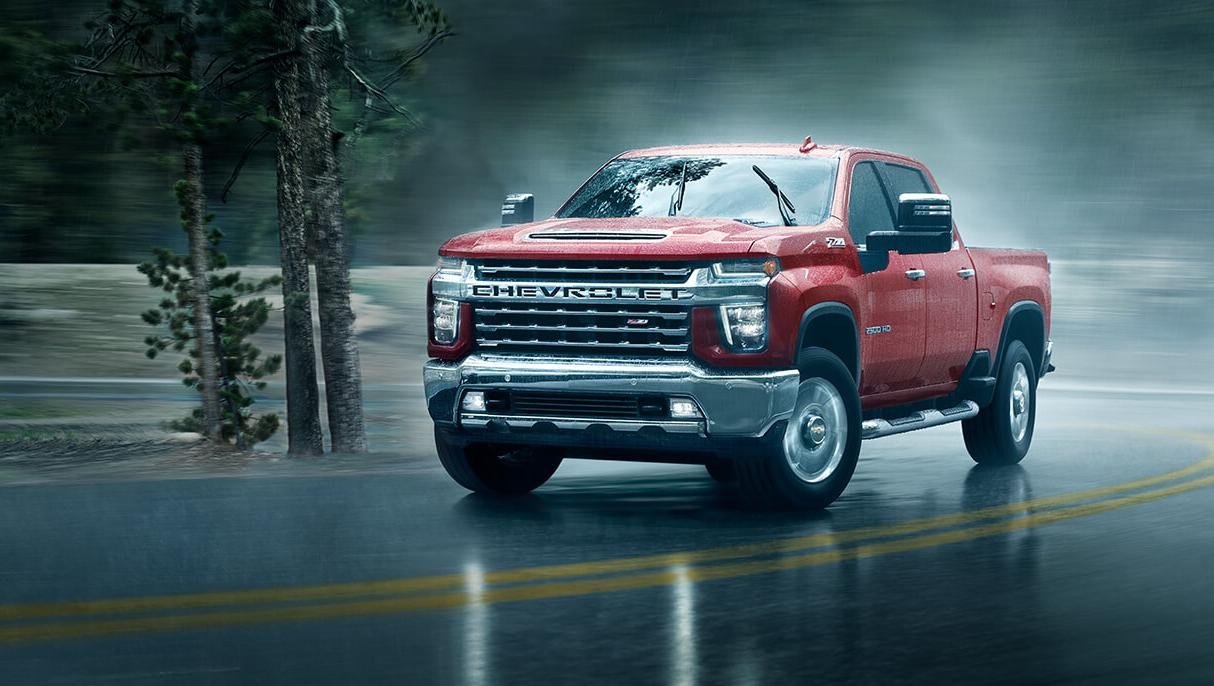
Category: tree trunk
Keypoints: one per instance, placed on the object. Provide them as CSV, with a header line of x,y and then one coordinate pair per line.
x,y
194,212
304,435
338,344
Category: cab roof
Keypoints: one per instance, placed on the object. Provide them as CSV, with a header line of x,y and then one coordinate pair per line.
x,y
783,149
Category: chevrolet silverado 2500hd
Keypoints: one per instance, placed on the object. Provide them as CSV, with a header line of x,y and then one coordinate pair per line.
x,y
756,309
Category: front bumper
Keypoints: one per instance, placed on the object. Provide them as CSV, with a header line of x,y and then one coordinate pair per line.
x,y
735,404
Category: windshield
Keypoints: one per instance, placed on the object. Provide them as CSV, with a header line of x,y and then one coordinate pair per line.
x,y
724,186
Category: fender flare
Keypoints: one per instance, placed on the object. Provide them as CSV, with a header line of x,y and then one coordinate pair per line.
x,y
1016,308
832,308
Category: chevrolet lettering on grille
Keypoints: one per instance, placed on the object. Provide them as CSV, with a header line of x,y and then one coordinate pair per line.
x,y
579,292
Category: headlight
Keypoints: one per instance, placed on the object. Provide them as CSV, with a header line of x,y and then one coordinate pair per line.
x,y
768,266
745,326
444,320
450,265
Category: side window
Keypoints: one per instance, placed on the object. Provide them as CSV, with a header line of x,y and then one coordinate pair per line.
x,y
906,180
867,210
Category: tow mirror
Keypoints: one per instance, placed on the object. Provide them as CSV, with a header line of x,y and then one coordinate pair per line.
x,y
925,226
925,213
518,208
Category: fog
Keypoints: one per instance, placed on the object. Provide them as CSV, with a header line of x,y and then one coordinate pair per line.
x,y
1080,127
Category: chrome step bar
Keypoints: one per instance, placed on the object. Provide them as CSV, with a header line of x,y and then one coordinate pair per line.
x,y
876,428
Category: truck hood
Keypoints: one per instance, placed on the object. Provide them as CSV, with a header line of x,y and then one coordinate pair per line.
x,y
625,238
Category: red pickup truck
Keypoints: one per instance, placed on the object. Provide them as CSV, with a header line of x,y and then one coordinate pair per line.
x,y
758,309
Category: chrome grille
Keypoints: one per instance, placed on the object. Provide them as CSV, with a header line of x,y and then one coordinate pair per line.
x,y
606,328
583,272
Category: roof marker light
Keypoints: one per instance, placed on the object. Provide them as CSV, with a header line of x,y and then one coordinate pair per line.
x,y
808,144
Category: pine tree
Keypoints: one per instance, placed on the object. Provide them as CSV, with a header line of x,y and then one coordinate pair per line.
x,y
329,50
237,312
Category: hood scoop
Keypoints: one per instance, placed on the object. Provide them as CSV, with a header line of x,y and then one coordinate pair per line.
x,y
597,236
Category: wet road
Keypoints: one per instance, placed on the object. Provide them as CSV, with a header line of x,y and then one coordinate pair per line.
x,y
1090,563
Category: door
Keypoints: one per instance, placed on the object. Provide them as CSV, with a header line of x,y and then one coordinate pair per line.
x,y
951,293
893,305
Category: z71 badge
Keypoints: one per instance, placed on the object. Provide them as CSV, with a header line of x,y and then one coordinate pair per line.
x,y
835,242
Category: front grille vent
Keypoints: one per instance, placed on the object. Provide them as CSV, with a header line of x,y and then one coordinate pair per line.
x,y
520,403
596,236
639,329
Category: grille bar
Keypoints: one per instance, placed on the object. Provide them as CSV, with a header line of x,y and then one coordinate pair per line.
x,y
561,312
644,329
581,329
606,347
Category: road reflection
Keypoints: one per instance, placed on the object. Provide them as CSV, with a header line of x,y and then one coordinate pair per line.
x,y
1015,551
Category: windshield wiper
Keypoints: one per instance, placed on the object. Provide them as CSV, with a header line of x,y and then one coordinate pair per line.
x,y
782,201
676,198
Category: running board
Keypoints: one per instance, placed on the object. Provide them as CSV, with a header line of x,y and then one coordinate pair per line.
x,y
876,428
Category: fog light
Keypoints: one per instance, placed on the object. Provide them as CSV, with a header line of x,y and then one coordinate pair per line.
x,y
684,409
474,401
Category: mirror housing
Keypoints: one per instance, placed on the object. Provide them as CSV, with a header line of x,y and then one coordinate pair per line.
x,y
925,212
518,208
925,226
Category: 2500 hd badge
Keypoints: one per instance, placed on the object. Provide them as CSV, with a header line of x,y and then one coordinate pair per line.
x,y
719,305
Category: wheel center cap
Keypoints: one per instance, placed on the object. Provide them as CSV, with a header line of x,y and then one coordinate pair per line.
x,y
1018,402
814,430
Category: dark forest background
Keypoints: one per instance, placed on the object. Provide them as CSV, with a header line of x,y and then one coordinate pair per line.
x,y
1080,127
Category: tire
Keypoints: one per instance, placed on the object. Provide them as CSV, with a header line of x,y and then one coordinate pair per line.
x,y
722,471
501,470
809,464
1001,433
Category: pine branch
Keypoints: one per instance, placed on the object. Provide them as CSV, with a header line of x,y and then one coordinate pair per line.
x,y
244,157
123,74
427,45
383,97
234,68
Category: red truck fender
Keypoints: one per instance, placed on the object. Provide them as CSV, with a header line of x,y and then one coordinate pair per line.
x,y
831,326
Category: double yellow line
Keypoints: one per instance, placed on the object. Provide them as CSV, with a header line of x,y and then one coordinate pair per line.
x,y
62,620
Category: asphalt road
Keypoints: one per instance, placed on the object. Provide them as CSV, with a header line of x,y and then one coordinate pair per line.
x,y
1090,563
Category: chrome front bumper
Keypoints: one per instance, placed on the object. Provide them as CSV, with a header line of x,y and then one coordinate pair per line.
x,y
735,404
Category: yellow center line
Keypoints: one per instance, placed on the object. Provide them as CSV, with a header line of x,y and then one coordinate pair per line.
x,y
406,604
450,582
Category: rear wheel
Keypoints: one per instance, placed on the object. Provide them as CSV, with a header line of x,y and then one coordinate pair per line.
x,y
496,469
1002,431
815,457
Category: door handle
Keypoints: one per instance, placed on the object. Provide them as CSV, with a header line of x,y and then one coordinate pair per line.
x,y
915,274
966,273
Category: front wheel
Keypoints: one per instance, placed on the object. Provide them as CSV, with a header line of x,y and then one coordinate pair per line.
x,y
502,470
1001,433
814,458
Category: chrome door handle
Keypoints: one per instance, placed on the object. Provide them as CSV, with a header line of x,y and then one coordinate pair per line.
x,y
966,273
915,274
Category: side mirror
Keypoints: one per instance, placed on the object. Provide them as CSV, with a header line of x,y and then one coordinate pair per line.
x,y
518,208
925,212
925,226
